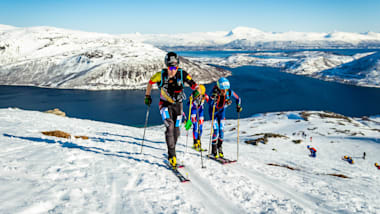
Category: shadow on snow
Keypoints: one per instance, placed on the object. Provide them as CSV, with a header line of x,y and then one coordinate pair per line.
x,y
96,150
135,138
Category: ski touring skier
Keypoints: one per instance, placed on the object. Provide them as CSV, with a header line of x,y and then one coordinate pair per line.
x,y
313,151
348,159
197,116
220,99
171,82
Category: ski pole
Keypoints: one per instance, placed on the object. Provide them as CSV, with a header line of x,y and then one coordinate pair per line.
x,y
146,123
199,134
188,121
212,127
238,124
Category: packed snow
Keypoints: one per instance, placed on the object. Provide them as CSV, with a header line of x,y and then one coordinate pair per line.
x,y
107,174
59,58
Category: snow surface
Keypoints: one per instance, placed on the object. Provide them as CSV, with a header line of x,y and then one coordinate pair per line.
x,y
59,58
106,173
361,69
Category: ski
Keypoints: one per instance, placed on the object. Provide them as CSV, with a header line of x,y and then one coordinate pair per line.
x,y
177,173
220,160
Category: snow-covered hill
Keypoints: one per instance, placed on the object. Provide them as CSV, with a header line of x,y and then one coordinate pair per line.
x,y
364,71
106,173
246,38
360,69
59,58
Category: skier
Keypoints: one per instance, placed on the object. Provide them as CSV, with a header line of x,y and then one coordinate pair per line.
x,y
171,82
349,159
220,99
313,151
198,117
377,165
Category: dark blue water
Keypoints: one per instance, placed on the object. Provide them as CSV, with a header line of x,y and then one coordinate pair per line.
x,y
268,90
116,106
261,89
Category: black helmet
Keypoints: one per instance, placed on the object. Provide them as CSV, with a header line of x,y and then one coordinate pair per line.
x,y
171,59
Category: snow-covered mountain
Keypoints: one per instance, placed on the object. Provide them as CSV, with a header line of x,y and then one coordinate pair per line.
x,y
359,69
246,38
107,174
59,58
364,71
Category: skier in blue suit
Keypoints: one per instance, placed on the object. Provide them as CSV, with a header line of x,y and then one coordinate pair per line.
x,y
220,99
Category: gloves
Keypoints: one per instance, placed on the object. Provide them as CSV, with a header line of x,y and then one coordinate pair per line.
x,y
195,93
239,108
228,102
148,100
188,124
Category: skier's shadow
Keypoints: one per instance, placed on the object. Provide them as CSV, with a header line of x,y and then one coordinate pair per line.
x,y
104,140
126,136
96,150
371,139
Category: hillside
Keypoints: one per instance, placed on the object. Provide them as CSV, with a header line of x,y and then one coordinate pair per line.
x,y
106,173
59,58
361,69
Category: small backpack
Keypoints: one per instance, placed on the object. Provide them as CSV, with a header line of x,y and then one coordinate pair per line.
x,y
164,76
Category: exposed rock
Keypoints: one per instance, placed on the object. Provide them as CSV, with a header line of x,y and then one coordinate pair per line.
x,y
264,138
297,141
283,165
57,133
61,134
56,111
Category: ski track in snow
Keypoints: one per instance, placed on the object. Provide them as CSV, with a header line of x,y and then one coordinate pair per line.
x,y
305,200
209,197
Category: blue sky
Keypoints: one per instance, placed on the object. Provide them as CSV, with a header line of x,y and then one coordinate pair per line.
x,y
162,16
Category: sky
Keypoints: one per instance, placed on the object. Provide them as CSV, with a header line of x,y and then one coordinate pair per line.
x,y
169,17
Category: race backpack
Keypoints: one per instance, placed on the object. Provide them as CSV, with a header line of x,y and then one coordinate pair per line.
x,y
175,93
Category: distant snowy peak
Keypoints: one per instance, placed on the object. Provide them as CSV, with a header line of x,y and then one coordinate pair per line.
x,y
6,27
60,58
247,38
244,32
352,37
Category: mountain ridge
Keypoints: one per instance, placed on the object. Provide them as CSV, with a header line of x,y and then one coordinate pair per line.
x,y
60,58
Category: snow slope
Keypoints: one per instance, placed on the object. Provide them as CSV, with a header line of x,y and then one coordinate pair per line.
x,y
246,38
59,58
106,173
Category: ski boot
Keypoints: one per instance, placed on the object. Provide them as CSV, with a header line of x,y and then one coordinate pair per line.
x,y
214,150
173,162
220,150
197,144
